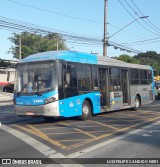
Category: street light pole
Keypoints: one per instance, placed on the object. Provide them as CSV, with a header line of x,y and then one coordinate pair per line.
x,y
105,39
143,17
105,28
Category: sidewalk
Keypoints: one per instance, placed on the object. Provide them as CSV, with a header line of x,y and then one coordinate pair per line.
x,y
6,98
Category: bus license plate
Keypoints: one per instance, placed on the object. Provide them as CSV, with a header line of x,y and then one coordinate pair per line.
x,y
29,113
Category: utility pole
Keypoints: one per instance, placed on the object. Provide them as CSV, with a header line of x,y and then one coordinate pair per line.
x,y
20,47
105,40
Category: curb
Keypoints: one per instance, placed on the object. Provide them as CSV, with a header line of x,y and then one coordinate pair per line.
x,y
6,103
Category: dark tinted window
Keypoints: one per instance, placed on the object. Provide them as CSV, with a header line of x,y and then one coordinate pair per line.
x,y
114,79
94,77
84,77
70,79
149,77
134,74
143,77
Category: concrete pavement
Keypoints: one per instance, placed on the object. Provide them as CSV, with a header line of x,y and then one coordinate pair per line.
x,y
6,98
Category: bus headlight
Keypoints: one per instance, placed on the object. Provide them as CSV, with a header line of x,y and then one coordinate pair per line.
x,y
50,100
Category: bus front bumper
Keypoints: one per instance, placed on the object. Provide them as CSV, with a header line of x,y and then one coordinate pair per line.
x,y
50,110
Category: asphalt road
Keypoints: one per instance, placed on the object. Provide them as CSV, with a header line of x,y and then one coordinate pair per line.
x,y
123,134
144,144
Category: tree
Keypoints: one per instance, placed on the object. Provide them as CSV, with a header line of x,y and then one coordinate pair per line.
x,y
151,58
128,59
34,43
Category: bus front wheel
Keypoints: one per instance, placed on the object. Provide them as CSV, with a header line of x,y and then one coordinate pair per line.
x,y
86,111
137,103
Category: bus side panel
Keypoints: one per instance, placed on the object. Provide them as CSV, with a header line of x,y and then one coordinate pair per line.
x,y
143,91
116,100
73,106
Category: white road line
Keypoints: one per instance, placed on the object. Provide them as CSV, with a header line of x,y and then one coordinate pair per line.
x,y
51,153
42,148
92,148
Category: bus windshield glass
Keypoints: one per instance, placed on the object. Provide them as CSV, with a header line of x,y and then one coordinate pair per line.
x,y
35,78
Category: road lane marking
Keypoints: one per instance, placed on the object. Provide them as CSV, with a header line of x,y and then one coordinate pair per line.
x,y
73,140
51,124
59,133
79,130
122,119
137,116
45,137
87,126
98,146
106,125
84,132
111,133
44,149
148,112
41,135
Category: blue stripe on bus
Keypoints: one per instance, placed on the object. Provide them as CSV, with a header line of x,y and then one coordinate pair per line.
x,y
65,55
145,97
73,106
34,100
118,99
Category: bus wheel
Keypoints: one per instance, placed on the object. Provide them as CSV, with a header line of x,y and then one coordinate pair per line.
x,y
137,103
86,111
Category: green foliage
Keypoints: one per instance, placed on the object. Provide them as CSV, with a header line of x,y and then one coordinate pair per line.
x,y
128,59
34,43
151,58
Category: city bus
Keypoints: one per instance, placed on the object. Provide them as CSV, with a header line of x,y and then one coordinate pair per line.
x,y
69,83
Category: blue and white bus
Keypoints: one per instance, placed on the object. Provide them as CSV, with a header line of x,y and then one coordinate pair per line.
x,y
69,83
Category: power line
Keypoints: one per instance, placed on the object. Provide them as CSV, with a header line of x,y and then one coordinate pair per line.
x,y
135,18
52,12
11,24
152,27
143,41
143,14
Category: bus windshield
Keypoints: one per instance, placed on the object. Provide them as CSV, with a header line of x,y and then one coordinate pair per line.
x,y
35,78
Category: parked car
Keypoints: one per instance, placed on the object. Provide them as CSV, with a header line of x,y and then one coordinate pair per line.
x,y
9,88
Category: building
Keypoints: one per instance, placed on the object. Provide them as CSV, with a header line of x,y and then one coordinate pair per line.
x,y
7,70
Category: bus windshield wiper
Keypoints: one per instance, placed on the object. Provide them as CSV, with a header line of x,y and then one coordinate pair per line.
x,y
19,93
37,93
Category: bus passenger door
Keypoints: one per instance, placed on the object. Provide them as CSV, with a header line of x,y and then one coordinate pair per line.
x,y
103,80
125,86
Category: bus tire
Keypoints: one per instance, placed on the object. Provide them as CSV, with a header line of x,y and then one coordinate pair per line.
x,y
137,103
86,111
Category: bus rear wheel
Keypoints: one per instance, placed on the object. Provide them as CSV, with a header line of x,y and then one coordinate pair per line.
x,y
86,111
137,103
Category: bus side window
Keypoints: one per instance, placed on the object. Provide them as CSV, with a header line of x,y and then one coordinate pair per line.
x,y
114,78
84,77
94,78
70,79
